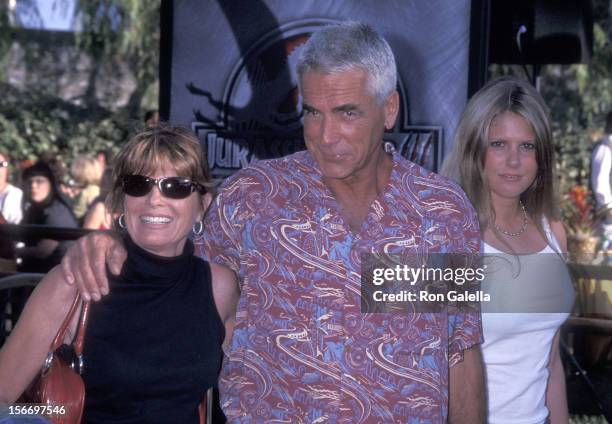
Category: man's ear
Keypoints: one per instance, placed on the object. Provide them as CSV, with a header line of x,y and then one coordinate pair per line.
x,y
391,109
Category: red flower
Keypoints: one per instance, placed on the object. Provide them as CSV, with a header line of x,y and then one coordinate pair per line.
x,y
578,211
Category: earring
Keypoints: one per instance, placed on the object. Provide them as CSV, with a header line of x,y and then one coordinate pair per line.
x,y
121,221
197,228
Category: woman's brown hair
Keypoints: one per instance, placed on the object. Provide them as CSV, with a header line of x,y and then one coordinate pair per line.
x,y
152,148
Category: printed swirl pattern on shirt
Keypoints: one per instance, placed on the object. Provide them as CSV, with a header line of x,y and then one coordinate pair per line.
x,y
302,351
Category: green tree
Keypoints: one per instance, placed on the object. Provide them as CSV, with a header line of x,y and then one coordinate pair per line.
x,y
579,97
126,30
35,120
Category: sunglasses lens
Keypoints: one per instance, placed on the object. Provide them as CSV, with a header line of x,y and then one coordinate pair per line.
x,y
172,187
176,187
137,185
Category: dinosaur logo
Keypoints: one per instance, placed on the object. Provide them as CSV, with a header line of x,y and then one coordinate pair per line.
x,y
259,117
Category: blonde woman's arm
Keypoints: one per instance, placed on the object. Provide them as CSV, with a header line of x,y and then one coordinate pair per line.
x,y
23,353
556,396
559,231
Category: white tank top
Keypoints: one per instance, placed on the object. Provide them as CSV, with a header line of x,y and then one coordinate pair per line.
x,y
516,348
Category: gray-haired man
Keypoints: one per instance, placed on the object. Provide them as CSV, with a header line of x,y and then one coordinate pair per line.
x,y
293,229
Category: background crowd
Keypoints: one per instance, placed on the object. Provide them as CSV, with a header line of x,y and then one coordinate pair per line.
x,y
53,193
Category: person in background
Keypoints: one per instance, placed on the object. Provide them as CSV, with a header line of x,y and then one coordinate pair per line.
x,y
57,165
601,182
98,216
503,157
10,196
67,187
10,212
151,118
87,174
104,157
153,347
43,205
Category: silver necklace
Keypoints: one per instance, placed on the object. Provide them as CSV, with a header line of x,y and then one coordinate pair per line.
x,y
519,232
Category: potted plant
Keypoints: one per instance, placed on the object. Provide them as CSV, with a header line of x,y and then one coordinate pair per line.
x,y
582,222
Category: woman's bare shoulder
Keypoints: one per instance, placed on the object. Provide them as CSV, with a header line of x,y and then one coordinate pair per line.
x,y
558,230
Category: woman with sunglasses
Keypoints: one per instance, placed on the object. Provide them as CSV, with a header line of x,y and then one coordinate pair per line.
x,y
153,346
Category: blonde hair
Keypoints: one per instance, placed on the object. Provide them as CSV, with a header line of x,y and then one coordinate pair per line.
x,y
86,170
466,161
153,147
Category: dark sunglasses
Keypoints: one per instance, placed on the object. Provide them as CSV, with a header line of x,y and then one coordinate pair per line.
x,y
172,187
3,164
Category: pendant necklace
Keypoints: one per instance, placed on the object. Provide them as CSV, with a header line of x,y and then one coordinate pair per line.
x,y
519,232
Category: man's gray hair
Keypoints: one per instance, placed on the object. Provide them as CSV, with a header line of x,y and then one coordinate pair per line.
x,y
347,46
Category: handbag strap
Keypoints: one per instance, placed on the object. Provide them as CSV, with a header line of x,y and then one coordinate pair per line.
x,y
80,338
82,326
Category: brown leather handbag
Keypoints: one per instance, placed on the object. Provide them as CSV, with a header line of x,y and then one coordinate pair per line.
x,y
59,385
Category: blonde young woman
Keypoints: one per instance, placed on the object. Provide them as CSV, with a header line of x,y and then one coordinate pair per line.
x,y
503,159
87,173
98,216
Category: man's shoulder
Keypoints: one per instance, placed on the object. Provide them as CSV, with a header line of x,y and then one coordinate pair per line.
x,y
414,174
283,164
434,192
269,170
409,168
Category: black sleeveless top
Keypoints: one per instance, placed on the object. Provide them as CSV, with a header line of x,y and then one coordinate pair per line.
x,y
153,345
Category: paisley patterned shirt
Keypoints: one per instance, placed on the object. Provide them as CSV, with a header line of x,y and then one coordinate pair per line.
x,y
302,351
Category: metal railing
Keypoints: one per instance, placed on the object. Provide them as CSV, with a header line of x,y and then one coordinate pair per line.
x,y
19,232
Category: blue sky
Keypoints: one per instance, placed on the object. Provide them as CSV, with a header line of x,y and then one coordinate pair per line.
x,y
58,19
54,14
